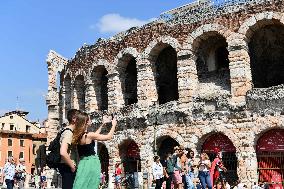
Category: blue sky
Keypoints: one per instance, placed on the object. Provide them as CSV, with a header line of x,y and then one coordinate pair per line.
x,y
30,28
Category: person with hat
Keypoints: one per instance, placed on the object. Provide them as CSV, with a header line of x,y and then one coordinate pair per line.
x,y
21,173
217,169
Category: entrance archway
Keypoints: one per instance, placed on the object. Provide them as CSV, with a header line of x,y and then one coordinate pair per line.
x,y
166,145
270,157
104,158
221,141
129,153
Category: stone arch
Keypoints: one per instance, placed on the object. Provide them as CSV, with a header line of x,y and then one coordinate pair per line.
x,y
259,20
165,145
67,72
162,56
129,50
164,132
202,33
79,92
80,72
210,48
211,130
67,94
104,156
264,33
129,153
270,152
97,89
126,66
100,62
265,128
221,141
156,45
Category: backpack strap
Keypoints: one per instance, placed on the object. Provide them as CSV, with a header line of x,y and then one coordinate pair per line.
x,y
66,129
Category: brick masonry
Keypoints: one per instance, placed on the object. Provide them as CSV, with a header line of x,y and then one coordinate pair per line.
x,y
239,111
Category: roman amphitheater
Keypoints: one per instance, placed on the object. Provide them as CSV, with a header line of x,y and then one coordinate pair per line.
x,y
204,75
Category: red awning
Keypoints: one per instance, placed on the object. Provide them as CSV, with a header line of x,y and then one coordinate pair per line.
x,y
218,141
133,150
271,141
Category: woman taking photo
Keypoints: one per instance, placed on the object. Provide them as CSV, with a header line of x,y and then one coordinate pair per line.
x,y
204,174
89,168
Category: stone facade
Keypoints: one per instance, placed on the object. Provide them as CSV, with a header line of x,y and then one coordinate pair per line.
x,y
209,57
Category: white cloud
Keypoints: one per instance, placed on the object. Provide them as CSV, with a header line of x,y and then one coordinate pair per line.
x,y
114,23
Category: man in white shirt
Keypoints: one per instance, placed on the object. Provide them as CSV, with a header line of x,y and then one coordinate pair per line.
x,y
9,173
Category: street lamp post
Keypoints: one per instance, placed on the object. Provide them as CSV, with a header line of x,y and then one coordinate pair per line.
x,y
155,127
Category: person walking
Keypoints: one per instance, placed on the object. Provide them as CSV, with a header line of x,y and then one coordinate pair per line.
x,y
177,176
37,180
189,175
68,152
218,169
117,176
204,174
89,168
9,171
21,173
169,165
158,172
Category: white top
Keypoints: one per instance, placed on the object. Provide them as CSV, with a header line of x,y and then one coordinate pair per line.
x,y
157,169
202,166
240,186
9,171
22,169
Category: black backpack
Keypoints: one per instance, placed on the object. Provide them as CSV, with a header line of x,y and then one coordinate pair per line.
x,y
53,158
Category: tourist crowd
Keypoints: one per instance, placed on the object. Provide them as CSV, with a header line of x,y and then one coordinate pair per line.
x,y
178,170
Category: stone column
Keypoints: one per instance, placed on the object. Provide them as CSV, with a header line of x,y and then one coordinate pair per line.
x,y
113,159
91,100
247,164
52,100
187,78
55,63
63,104
146,85
115,95
146,155
240,72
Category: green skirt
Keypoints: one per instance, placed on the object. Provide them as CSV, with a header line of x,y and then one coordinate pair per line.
x,y
88,173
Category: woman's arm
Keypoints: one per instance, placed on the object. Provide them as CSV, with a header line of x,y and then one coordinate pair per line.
x,y
208,164
100,137
100,128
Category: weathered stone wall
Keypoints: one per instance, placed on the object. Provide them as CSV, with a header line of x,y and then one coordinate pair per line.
x,y
208,103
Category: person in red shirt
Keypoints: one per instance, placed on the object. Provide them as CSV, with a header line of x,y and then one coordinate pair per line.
x,y
117,175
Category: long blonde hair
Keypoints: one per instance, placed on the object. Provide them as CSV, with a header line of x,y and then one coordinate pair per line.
x,y
80,127
206,157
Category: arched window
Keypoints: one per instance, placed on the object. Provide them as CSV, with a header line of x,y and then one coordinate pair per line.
x,y
212,60
79,93
166,75
266,49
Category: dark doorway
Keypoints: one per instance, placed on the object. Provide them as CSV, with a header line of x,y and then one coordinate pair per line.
x,y
266,49
229,159
166,145
166,76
